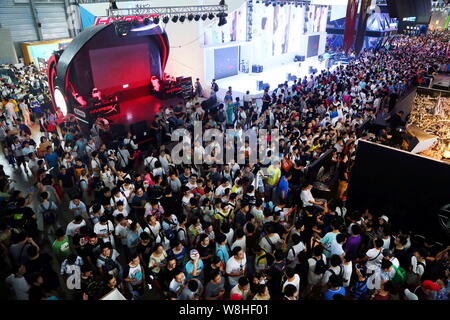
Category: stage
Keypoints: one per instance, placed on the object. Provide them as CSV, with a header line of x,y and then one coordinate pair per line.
x,y
272,75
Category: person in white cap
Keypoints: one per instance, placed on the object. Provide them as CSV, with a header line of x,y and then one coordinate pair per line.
x,y
410,296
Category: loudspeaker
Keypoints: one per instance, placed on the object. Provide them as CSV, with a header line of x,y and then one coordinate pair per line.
x,y
299,58
259,85
257,68
140,130
118,131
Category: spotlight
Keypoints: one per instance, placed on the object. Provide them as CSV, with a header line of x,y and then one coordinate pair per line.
x,y
122,28
156,20
222,20
174,19
267,3
197,17
190,17
166,19
182,18
211,16
146,21
274,4
222,3
204,16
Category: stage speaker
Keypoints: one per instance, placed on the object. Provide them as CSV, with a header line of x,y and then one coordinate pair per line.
x,y
257,68
299,58
259,85
418,140
140,130
118,131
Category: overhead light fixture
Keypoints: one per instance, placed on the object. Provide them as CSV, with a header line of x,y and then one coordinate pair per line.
x,y
222,3
166,19
197,17
182,18
211,16
156,20
267,3
204,16
190,17
174,19
146,21
222,18
122,28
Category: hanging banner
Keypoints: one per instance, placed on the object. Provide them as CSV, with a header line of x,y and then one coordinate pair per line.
x,y
350,22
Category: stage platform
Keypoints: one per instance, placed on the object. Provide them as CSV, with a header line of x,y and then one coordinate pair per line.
x,y
272,75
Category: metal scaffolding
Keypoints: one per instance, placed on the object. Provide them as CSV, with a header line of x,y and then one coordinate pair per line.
x,y
167,11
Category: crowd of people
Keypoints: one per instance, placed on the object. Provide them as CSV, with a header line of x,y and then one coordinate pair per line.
x,y
95,217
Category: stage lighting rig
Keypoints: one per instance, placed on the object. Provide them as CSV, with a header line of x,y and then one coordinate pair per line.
x,y
146,21
175,13
156,20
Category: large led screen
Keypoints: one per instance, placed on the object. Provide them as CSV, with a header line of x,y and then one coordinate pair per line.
x,y
120,67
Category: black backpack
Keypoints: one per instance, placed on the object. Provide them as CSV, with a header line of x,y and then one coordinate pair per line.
x,y
320,267
48,214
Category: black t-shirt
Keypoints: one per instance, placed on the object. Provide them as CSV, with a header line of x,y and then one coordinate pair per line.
x,y
92,251
205,251
297,176
343,168
165,276
66,180
145,251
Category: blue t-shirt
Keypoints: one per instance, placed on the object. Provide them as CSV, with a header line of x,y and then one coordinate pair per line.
x,y
190,266
222,253
330,293
283,185
132,238
52,159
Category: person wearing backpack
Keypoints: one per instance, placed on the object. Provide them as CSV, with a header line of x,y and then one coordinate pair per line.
x,y
108,263
48,210
335,268
317,267
294,250
271,241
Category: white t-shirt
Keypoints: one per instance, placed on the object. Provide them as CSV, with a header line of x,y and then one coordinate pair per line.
x,y
276,240
416,267
71,228
234,266
153,231
239,243
306,196
375,258
336,248
122,232
20,286
348,269
124,212
236,290
313,278
297,249
339,270
103,229
295,282
230,236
